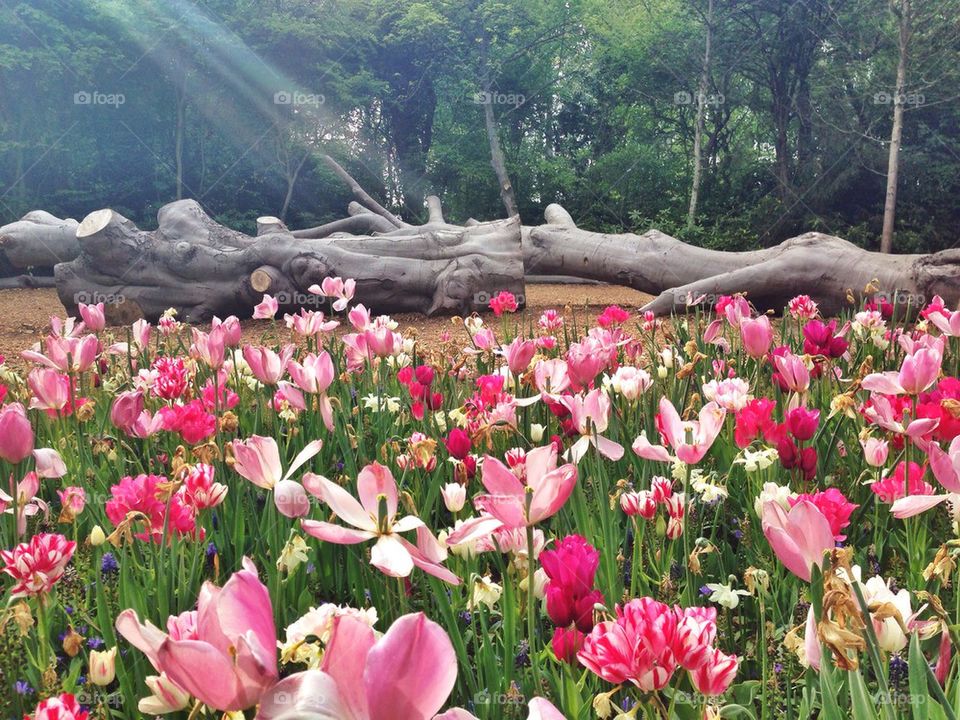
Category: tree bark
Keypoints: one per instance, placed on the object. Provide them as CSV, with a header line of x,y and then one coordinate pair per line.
x,y
38,240
893,161
701,112
203,269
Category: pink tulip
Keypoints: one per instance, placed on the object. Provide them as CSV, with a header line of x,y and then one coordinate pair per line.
x,y
408,673
918,372
590,414
258,460
799,538
50,389
690,440
266,309
141,331
338,288
314,376
232,332
126,409
947,322
539,709
882,413
16,434
794,372
756,334
716,674
266,365
24,503
875,451
381,341
585,360
946,465
551,376
65,353
911,505
811,641
519,353
228,660
359,317
308,323
93,316
209,347
373,517
511,504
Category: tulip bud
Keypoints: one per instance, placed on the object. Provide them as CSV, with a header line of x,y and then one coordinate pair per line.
x,y
291,499
536,432
97,536
103,666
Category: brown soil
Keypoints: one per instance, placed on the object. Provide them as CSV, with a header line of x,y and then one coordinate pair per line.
x,y
25,314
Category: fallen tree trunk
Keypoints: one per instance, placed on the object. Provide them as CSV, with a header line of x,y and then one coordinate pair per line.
x,y
37,240
203,269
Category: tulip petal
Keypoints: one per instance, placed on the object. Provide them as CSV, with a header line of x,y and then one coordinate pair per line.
x,y
943,469
309,695
474,529
498,479
192,663
345,659
543,709
376,480
303,456
552,492
915,504
411,670
391,557
337,534
343,504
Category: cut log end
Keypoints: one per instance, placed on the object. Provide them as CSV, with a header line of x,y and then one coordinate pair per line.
x,y
94,222
270,224
264,278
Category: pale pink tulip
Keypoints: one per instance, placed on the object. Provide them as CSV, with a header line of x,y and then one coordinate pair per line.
x,y
210,347
799,538
408,673
918,371
374,517
314,376
511,504
756,334
126,409
359,317
229,659
690,440
50,389
24,503
258,460
875,451
308,323
266,309
590,414
266,365
946,465
93,316
335,287
67,354
551,376
48,463
881,413
232,332
794,371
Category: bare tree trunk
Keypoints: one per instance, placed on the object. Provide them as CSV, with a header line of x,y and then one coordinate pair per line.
x,y
291,183
893,162
701,112
178,151
496,155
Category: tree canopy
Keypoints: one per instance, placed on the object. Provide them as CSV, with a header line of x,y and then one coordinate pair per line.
x,y
594,104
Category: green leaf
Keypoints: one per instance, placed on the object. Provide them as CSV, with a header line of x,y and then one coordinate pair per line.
x,y
861,704
919,693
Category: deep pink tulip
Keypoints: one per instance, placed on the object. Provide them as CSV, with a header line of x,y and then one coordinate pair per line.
x,y
16,434
93,316
799,538
507,503
756,334
266,365
802,423
918,372
232,331
585,360
229,659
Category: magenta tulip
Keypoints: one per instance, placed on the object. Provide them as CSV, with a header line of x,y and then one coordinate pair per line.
x,y
756,334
